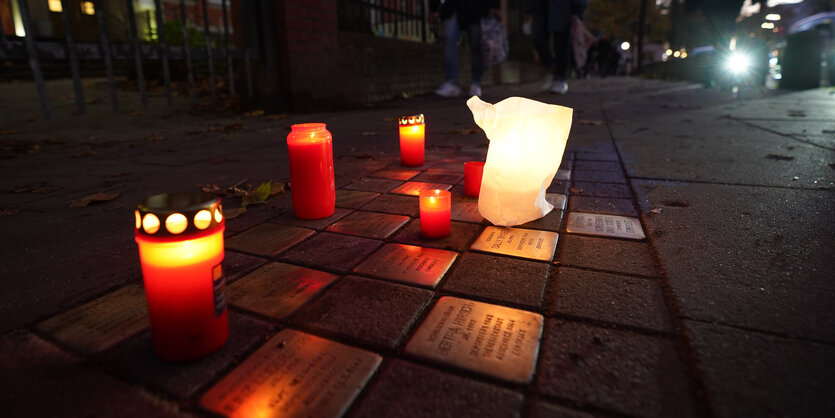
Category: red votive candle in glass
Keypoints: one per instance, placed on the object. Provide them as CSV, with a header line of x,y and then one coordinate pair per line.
x,y
473,170
435,212
180,238
412,131
312,187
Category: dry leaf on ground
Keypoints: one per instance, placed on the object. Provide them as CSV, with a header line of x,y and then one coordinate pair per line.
x,y
93,198
9,212
254,113
8,131
590,122
656,211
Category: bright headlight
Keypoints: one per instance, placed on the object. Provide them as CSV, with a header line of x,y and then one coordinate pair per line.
x,y
738,62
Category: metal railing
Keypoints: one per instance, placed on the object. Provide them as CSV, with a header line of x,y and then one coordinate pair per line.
x,y
106,51
398,19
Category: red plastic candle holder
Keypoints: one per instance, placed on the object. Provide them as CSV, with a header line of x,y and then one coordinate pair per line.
x,y
435,213
180,238
312,186
473,170
412,134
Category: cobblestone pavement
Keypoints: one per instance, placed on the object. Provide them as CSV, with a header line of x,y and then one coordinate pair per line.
x,y
665,288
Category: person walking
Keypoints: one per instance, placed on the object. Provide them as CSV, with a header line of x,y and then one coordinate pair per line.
x,y
551,27
457,16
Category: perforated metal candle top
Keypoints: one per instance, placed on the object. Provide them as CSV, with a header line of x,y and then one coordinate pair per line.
x,y
183,214
411,120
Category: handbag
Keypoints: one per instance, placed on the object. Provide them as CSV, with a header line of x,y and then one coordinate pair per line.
x,y
494,45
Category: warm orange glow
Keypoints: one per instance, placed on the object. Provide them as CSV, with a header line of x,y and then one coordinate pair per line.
x,y
88,8
180,253
138,219
55,6
412,145
202,219
218,215
310,152
176,223
150,223
435,210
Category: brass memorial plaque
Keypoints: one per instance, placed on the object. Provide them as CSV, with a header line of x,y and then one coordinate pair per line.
x,y
277,289
99,324
490,339
556,199
413,188
604,225
465,210
408,264
369,224
518,242
293,375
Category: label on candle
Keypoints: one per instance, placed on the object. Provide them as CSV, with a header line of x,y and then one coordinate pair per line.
x,y
605,225
490,339
519,242
408,264
294,374
277,289
219,288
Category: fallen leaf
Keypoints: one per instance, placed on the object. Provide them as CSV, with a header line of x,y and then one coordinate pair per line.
x,y
574,190
656,211
39,187
254,113
369,133
779,157
590,122
155,137
211,188
9,131
9,212
233,213
277,188
93,198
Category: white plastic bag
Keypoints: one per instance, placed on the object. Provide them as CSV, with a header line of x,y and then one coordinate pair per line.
x,y
527,140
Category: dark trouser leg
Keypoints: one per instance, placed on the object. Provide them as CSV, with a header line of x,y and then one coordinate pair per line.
x,y
477,58
541,40
561,51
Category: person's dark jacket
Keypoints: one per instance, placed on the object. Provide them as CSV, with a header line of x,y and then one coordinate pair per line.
x,y
467,11
557,12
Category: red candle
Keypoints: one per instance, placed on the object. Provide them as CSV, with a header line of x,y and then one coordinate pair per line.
x,y
473,170
180,238
412,130
312,186
435,210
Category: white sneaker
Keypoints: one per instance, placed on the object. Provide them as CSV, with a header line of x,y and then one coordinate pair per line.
x,y
559,87
475,90
448,90
546,82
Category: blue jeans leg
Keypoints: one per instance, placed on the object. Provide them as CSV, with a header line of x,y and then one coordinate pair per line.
x,y
452,31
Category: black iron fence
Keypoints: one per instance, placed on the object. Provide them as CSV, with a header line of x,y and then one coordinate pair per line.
x,y
104,50
398,19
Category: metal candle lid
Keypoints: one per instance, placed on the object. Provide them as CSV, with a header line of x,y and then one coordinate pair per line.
x,y
178,214
411,120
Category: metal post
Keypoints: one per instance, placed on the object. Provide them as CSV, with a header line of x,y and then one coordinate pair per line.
x,y
137,54
107,55
187,48
72,56
639,49
229,62
248,63
34,60
212,87
163,47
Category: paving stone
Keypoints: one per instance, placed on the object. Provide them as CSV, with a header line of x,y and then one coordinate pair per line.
x,y
294,374
370,311
408,264
489,339
254,215
623,207
396,204
596,156
557,199
413,188
541,409
317,224
100,324
39,380
621,371
563,174
374,185
461,236
598,165
369,224
427,164
612,190
395,174
452,167
610,298
558,186
404,389
236,265
353,199
439,177
749,374
465,210
499,278
277,289
332,251
268,239
607,254
550,222
183,380
598,176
